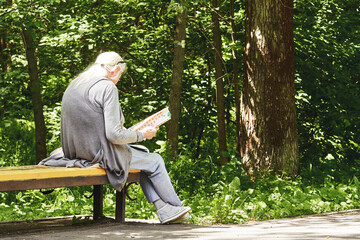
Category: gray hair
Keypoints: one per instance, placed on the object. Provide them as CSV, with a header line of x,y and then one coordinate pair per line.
x,y
105,62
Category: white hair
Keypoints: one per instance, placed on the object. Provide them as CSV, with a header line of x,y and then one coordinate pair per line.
x,y
105,62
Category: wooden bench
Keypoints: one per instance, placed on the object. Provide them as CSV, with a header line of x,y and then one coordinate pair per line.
x,y
43,177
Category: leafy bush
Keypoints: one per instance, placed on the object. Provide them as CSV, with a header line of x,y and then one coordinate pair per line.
x,y
230,197
272,198
17,145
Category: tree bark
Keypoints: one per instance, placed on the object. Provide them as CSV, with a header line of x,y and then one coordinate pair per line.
x,y
220,100
35,88
4,67
176,82
268,116
4,55
236,77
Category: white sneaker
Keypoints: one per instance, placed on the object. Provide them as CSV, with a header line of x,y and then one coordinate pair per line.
x,y
169,213
183,219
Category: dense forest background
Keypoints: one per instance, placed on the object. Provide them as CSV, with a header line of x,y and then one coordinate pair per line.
x,y
68,35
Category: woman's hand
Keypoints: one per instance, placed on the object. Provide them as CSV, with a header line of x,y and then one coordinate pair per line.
x,y
149,132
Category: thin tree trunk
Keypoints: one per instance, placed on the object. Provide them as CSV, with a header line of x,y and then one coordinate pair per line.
x,y
176,83
4,56
236,77
4,68
220,100
268,117
35,88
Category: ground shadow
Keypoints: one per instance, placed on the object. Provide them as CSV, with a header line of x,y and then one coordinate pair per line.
x,y
340,226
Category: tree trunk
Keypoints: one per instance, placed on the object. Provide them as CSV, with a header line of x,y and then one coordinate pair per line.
x,y
35,88
4,67
5,57
176,83
220,100
268,117
236,77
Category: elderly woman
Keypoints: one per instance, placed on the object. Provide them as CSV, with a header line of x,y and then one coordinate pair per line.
x,y
92,132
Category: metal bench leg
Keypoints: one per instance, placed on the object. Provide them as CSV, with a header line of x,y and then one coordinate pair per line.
x,y
120,206
98,202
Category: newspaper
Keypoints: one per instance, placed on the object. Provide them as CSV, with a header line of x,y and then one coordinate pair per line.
x,y
154,120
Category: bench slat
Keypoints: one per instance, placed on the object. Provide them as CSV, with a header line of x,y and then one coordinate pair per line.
x,y
61,182
52,183
39,176
47,172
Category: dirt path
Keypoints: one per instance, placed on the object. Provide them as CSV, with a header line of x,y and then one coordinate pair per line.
x,y
343,225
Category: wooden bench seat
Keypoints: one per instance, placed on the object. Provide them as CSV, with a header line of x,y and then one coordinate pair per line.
x,y
42,177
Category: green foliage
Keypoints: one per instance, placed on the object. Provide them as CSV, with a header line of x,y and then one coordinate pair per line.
x,y
230,198
52,117
17,143
271,198
327,81
226,195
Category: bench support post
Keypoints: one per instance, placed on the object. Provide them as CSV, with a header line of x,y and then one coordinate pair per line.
x,y
120,206
98,202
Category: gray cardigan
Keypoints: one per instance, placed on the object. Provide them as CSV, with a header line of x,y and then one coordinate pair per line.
x,y
92,131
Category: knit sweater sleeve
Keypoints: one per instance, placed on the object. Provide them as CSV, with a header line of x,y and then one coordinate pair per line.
x,y
105,95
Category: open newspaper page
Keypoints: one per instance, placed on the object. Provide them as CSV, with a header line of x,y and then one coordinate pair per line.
x,y
154,120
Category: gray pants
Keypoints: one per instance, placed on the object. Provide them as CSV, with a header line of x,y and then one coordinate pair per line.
x,y
154,179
